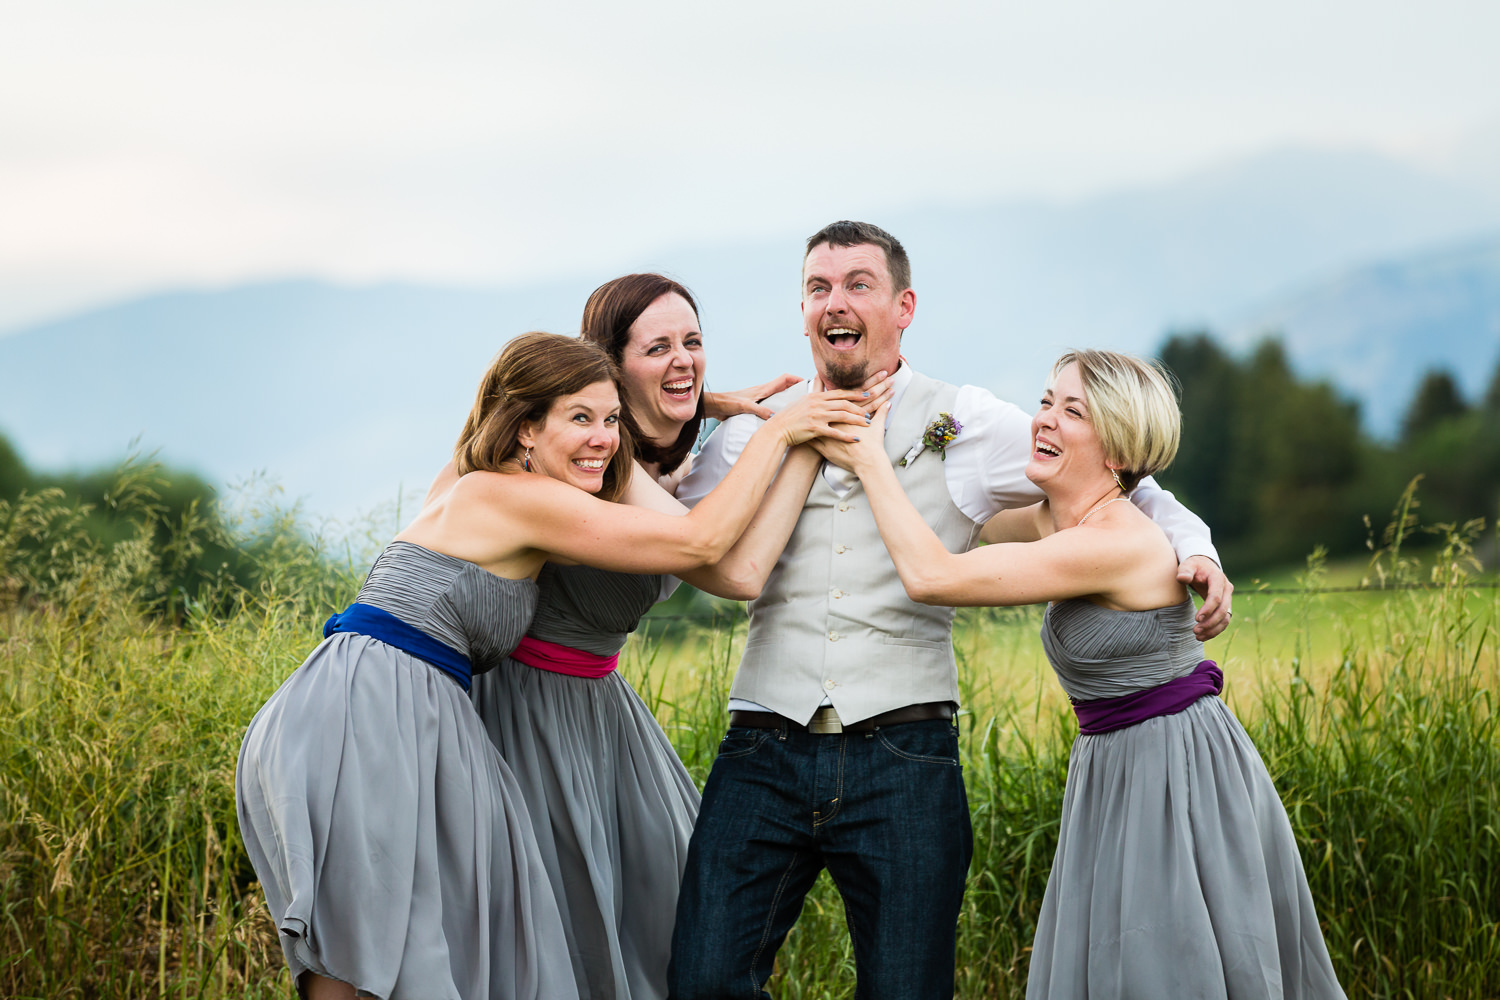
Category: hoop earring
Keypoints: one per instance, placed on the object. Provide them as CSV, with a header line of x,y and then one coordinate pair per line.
x,y
526,463
1116,474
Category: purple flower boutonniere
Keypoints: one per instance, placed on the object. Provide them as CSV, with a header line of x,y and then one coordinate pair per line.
x,y
937,437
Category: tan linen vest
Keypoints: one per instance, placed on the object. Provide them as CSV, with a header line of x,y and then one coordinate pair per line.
x,y
833,618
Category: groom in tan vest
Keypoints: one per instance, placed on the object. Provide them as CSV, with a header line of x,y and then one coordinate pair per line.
x,y
842,749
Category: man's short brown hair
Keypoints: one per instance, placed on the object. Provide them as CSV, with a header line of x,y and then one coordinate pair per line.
x,y
852,234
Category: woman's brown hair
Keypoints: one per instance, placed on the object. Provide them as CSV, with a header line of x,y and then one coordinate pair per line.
x,y
526,377
607,317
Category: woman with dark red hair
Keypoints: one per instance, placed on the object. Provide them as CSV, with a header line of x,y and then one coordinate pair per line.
x,y
612,804
397,850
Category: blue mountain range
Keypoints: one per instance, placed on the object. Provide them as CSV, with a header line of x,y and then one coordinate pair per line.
x,y
350,397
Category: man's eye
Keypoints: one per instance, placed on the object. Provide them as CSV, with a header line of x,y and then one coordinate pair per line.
x,y
861,285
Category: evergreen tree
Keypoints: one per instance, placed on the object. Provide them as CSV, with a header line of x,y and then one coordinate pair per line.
x,y
14,476
1209,398
1269,462
1437,399
1492,395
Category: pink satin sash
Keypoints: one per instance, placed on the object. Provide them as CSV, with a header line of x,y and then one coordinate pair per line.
x,y
562,659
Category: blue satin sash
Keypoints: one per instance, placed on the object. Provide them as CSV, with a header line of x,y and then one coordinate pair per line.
x,y
366,619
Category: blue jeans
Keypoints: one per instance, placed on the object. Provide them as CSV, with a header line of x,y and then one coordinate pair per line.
x,y
883,811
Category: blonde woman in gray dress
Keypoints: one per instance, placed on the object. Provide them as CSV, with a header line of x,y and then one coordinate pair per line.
x,y
395,849
1176,872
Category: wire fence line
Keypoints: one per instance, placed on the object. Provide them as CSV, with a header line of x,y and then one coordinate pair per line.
x,y
1391,589
740,613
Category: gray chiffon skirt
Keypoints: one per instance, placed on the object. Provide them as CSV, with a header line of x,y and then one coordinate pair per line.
x,y
1176,874
392,843
613,809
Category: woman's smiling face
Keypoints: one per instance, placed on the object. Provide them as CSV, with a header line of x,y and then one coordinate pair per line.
x,y
578,437
663,365
1063,440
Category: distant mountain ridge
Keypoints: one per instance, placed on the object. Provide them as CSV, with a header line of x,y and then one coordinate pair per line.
x,y
350,396
1375,330
316,385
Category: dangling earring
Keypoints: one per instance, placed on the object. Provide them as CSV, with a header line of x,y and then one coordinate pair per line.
x,y
1116,474
526,463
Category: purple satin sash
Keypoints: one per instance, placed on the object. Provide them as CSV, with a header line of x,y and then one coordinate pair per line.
x,y
1108,714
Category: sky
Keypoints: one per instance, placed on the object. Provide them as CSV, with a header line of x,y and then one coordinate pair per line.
x,y
167,144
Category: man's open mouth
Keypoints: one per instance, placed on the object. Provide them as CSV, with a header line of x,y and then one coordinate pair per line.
x,y
841,338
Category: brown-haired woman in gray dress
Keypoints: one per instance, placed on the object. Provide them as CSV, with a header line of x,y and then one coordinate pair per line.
x,y
394,847
611,803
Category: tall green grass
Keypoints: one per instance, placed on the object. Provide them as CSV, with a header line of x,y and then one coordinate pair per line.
x,y
123,874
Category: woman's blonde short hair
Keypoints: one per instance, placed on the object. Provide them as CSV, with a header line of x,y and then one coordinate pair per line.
x,y
1133,408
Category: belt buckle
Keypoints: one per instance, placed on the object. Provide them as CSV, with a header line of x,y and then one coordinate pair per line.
x,y
825,720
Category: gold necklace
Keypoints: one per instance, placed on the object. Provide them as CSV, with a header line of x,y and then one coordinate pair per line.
x,y
1098,507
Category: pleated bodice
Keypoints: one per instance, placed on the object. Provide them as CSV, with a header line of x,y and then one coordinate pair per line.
x,y
456,602
1099,652
590,609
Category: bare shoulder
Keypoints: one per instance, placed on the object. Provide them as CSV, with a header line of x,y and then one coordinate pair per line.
x,y
1133,532
1148,577
481,484
490,488
442,483
481,519
479,504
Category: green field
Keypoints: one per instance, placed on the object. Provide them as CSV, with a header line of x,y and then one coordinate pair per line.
x,y
121,711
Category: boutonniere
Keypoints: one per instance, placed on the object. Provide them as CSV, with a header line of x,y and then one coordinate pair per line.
x,y
937,437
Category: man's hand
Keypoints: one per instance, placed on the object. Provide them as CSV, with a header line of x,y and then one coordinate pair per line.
x,y
723,405
1204,576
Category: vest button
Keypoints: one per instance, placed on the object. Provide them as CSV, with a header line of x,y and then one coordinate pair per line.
x,y
837,593
833,637
843,505
840,549
829,685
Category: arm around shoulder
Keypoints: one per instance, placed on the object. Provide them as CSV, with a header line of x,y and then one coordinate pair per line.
x,y
1186,531
1023,524
742,573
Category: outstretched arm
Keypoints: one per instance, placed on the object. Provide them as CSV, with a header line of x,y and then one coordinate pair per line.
x,y
1061,565
712,528
723,405
742,573
509,522
1020,524
1201,572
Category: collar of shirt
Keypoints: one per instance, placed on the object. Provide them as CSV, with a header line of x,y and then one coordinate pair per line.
x,y
841,481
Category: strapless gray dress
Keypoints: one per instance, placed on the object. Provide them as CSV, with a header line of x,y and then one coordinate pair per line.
x,y
1176,874
391,840
612,804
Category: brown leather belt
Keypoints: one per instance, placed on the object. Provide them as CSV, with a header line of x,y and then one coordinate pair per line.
x,y
826,720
